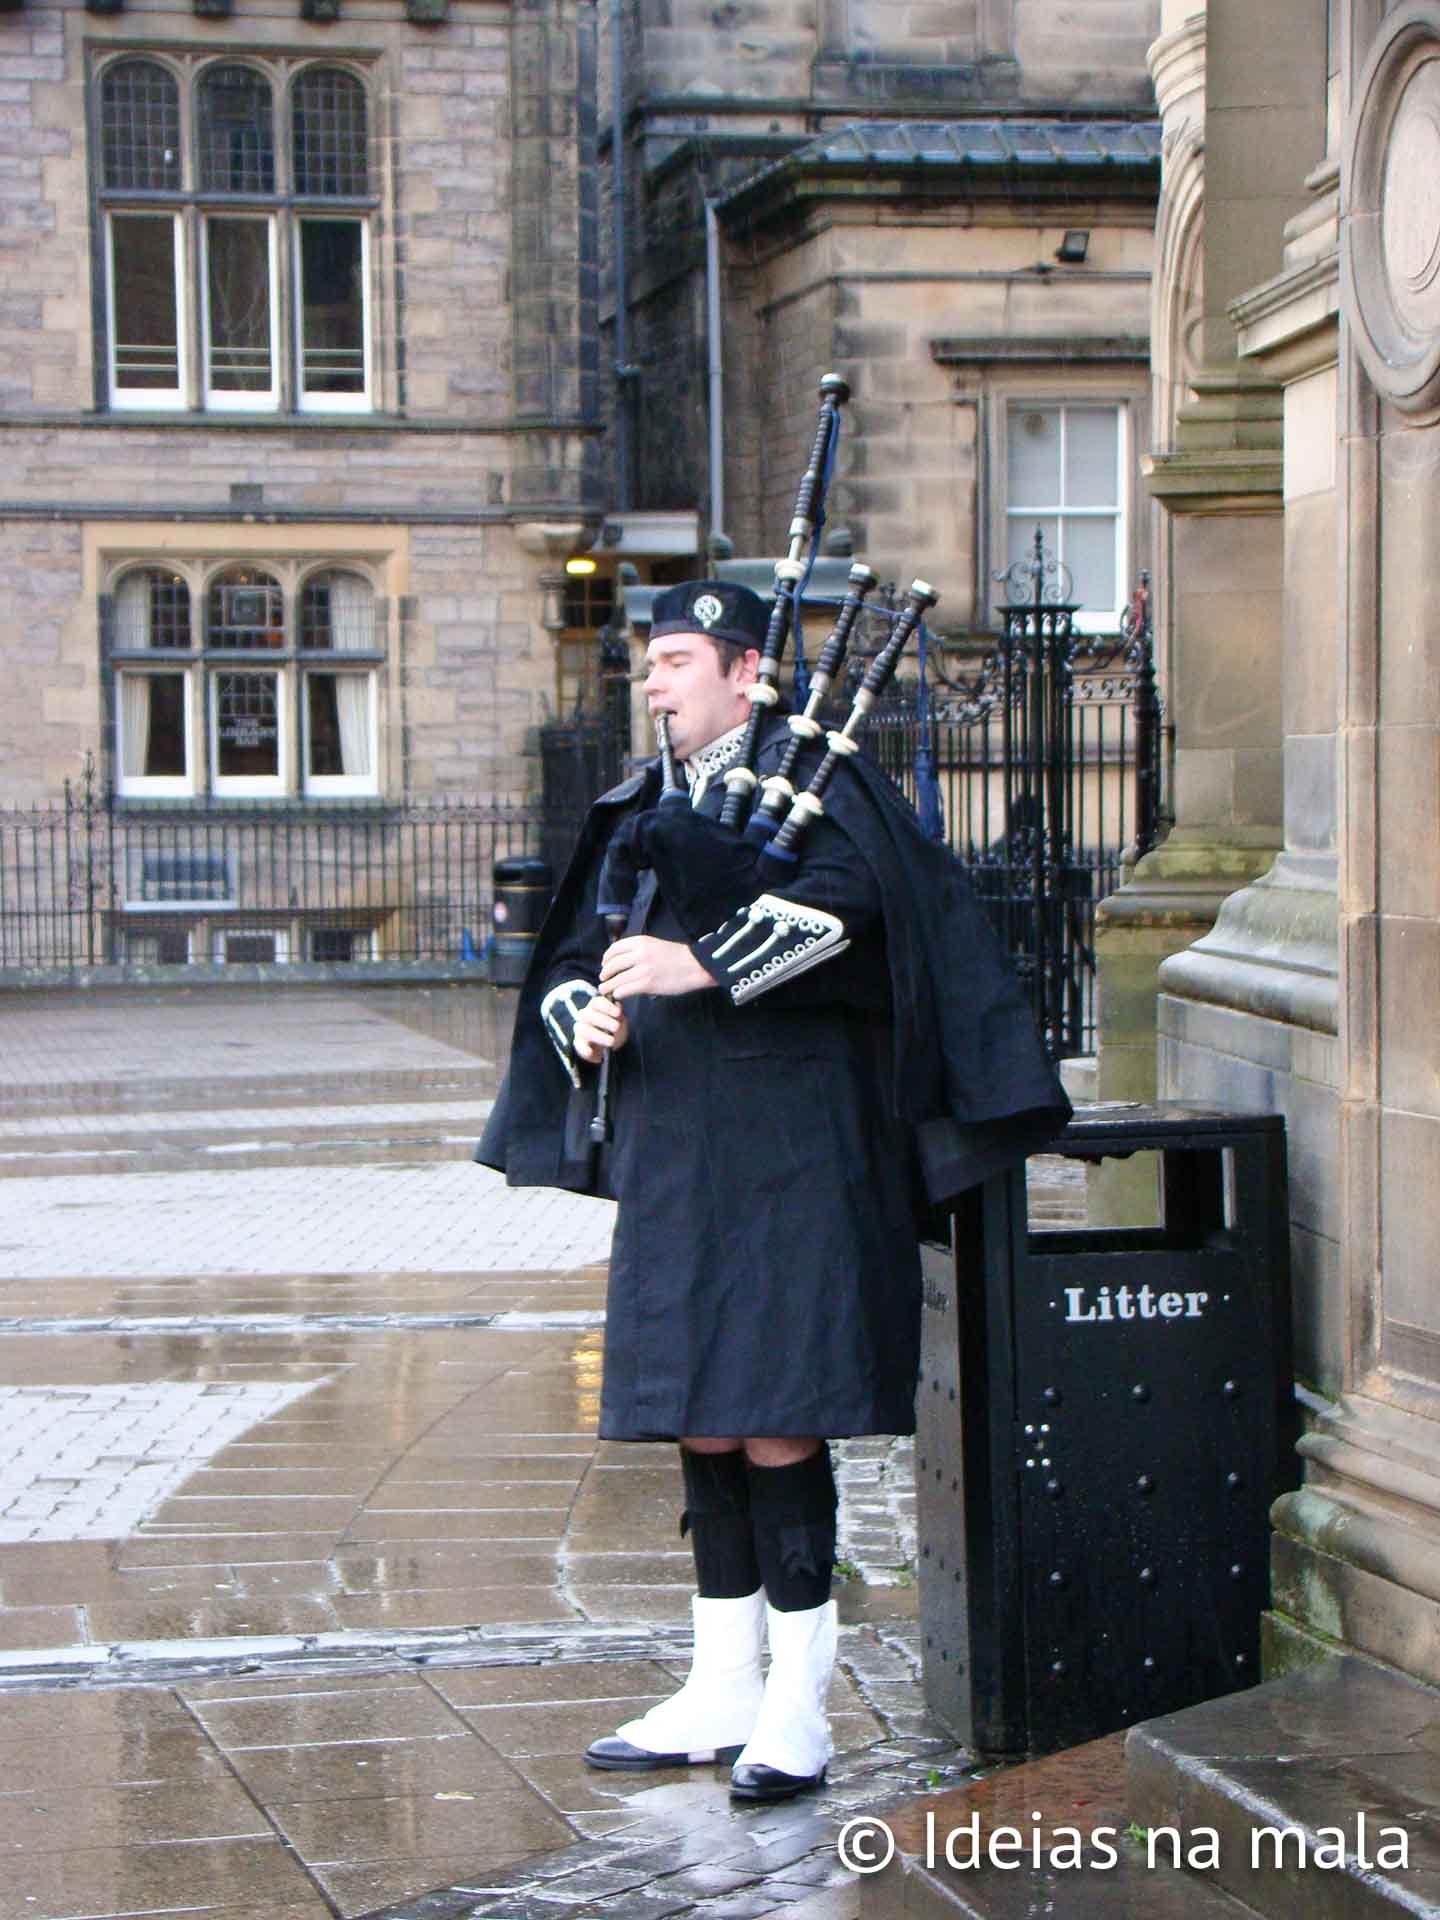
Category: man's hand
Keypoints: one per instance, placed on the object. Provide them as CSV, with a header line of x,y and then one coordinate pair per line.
x,y
642,964
600,1027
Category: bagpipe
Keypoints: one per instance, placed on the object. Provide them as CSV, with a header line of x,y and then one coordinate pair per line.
x,y
720,876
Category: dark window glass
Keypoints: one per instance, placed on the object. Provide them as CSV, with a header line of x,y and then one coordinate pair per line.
x,y
238,287
145,319
152,723
329,123
589,599
241,947
332,299
235,131
245,609
139,127
159,947
247,725
334,944
338,719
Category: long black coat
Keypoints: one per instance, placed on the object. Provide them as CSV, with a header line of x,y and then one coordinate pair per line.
x,y
771,1161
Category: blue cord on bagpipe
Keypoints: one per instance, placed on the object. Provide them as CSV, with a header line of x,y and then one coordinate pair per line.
x,y
927,782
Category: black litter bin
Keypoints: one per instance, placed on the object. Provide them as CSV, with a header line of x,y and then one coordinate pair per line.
x,y
1104,1419
523,889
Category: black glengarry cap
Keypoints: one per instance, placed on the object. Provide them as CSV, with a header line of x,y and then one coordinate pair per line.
x,y
720,609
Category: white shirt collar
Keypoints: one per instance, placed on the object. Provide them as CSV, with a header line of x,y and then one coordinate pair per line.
x,y
706,762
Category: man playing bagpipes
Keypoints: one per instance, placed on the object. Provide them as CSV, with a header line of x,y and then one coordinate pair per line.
x,y
813,1037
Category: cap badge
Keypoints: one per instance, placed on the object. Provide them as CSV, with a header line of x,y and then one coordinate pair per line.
x,y
707,610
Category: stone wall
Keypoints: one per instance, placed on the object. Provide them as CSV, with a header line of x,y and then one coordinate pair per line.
x,y
483,259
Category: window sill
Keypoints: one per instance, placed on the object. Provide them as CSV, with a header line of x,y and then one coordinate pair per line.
x,y
210,804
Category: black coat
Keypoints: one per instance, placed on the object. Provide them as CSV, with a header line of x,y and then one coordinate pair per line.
x,y
771,1162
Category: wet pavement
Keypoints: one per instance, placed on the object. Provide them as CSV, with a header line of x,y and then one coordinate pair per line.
x,y
314,1580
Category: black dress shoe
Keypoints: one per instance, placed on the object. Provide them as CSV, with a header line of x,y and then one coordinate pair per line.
x,y
769,1783
614,1755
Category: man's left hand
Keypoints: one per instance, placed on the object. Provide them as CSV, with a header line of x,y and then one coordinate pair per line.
x,y
642,964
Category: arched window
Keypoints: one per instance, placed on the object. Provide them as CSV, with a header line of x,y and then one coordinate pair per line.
x,y
235,130
238,216
139,127
337,612
245,609
328,122
152,609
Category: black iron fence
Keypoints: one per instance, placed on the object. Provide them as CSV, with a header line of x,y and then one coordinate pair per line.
x,y
1046,757
1047,760
86,882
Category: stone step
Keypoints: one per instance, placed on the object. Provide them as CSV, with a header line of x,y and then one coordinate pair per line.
x,y
1307,1757
1093,1864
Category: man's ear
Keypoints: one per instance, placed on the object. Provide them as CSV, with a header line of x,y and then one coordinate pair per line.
x,y
747,667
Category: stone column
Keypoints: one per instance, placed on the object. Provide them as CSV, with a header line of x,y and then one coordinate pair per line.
x,y
1242,129
1356,1556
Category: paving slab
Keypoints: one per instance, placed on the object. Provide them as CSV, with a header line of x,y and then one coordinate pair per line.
x,y
314,1578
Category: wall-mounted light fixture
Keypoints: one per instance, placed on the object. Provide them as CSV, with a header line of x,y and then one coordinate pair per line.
x,y
1074,247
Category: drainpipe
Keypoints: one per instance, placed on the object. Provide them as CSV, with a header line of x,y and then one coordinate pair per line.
x,y
717,371
624,372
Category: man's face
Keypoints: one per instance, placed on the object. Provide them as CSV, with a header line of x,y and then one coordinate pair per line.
x,y
686,681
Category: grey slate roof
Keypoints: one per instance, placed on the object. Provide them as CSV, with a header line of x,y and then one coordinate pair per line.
x,y
913,145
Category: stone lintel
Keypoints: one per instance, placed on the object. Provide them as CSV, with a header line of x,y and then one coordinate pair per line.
x,y
1074,349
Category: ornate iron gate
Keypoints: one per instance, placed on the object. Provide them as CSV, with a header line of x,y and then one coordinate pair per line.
x,y
1048,761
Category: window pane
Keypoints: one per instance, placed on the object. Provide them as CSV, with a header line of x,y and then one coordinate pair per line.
x,y
236,133
337,610
332,327
152,609
330,132
338,724
145,322
247,725
159,947
1034,457
237,254
152,726
234,949
246,609
139,126
1020,534
1089,552
1092,468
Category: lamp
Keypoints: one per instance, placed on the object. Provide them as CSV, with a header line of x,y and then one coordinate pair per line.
x,y
1074,247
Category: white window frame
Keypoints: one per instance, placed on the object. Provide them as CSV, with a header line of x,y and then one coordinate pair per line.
x,y
253,786
252,400
1089,619
221,931
362,402
337,786
154,786
147,399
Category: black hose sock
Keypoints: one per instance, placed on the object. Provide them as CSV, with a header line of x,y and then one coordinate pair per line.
x,y
717,1518
793,1512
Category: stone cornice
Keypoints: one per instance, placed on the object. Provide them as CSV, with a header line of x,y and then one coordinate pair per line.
x,y
1290,325
1216,480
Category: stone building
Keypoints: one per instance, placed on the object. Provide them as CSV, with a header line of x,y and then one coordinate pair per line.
x,y
1278,952
296,387
952,207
